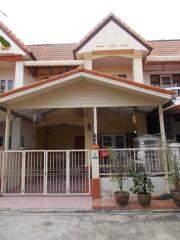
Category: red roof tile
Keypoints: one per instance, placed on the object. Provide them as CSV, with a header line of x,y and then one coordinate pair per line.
x,y
53,51
95,73
165,47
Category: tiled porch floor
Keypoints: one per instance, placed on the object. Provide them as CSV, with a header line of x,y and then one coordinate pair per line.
x,y
110,204
44,202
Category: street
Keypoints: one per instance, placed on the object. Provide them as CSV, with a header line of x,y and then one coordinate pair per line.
x,y
31,225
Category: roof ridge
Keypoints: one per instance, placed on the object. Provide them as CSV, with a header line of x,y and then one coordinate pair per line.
x,y
44,44
160,40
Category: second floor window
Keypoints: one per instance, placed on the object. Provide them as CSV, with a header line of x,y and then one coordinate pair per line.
x,y
6,85
165,81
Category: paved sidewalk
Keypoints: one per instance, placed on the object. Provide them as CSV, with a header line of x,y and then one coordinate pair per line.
x,y
46,202
18,225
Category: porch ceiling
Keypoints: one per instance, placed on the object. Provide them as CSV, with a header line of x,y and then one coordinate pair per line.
x,y
84,88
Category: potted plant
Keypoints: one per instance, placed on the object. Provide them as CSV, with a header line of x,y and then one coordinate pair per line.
x,y
119,175
176,181
142,185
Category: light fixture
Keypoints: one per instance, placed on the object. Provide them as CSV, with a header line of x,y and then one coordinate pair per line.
x,y
89,127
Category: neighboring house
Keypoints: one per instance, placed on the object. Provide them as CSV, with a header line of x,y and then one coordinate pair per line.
x,y
108,88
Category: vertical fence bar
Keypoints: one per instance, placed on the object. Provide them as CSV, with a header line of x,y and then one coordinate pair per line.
x,y
67,172
23,172
89,171
2,173
45,170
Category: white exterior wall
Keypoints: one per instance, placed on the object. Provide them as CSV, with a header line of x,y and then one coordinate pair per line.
x,y
14,48
108,187
7,74
112,37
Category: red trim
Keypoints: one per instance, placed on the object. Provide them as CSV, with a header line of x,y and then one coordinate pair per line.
x,y
120,23
95,73
11,58
95,188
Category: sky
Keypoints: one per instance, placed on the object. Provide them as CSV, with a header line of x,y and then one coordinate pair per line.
x,y
68,21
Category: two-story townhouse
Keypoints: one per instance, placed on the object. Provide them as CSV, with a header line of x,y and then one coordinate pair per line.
x,y
110,87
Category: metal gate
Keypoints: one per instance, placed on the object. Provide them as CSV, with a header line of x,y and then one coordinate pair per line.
x,y
65,172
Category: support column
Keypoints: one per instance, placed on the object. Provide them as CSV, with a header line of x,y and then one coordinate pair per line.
x,y
16,133
7,130
164,145
34,130
162,128
137,69
19,74
88,61
88,131
95,184
95,125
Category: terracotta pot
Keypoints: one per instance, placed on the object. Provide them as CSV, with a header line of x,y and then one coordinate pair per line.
x,y
144,199
121,198
176,197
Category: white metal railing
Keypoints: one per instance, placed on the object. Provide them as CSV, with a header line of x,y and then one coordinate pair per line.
x,y
153,161
53,172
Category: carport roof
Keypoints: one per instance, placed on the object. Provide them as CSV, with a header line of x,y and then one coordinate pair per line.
x,y
43,83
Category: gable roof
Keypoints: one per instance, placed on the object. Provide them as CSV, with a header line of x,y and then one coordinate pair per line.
x,y
60,51
13,37
80,69
120,23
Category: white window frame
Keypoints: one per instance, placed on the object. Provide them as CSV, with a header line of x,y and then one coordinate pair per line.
x,y
113,136
6,84
161,80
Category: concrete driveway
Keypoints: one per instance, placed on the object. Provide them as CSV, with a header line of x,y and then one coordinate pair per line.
x,y
19,225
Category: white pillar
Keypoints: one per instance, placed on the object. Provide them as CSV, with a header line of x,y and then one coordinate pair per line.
x,y
164,145
137,69
16,133
95,174
7,129
88,61
162,128
88,127
95,123
19,74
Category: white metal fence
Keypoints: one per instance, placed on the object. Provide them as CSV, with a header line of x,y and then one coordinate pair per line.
x,y
45,172
154,161
68,172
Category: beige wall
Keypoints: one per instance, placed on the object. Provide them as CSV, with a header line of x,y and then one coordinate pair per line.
x,y
7,73
59,137
115,70
122,123
62,136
